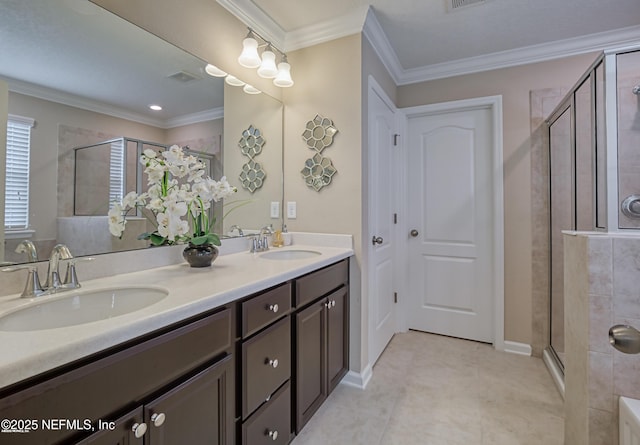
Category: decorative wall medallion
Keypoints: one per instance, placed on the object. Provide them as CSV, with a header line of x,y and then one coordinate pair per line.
x,y
252,176
319,133
318,171
251,142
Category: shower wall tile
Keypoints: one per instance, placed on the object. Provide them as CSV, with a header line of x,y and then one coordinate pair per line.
x,y
600,320
601,427
601,380
600,266
626,269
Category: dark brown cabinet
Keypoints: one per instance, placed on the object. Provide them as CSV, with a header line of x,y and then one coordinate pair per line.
x,y
252,372
159,370
321,338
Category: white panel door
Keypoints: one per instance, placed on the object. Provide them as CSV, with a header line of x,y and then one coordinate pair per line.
x,y
450,213
382,124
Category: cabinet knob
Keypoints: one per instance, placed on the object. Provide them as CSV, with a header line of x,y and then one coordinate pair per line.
x,y
139,429
273,363
158,419
273,308
273,434
333,303
328,305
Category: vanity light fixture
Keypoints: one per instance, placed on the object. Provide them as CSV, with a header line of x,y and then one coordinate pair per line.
x,y
233,81
249,58
155,107
267,68
214,71
251,89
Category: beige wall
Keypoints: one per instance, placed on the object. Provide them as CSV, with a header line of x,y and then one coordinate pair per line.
x,y
514,84
266,114
328,78
4,110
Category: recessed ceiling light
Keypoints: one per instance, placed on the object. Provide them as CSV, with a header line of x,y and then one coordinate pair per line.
x,y
155,107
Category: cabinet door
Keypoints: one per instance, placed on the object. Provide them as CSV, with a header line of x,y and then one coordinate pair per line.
x,y
311,377
337,336
122,434
199,411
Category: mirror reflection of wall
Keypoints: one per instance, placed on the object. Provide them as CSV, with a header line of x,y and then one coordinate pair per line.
x,y
265,114
94,91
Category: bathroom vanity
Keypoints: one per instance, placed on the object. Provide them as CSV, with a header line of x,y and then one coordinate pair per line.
x,y
244,364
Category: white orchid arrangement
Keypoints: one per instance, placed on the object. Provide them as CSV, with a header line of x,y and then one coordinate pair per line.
x,y
178,187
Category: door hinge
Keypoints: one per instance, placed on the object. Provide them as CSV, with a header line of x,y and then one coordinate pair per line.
x,y
395,218
395,297
395,139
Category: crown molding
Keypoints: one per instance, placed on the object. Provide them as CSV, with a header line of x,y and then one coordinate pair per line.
x,y
373,31
364,20
624,37
327,30
248,13
194,118
40,92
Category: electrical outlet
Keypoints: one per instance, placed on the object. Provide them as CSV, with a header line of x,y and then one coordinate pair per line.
x,y
275,209
291,210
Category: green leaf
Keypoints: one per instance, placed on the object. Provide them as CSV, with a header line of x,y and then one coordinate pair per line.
x,y
198,240
214,239
156,239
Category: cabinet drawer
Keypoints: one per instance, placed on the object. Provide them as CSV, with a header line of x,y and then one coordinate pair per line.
x,y
271,424
266,364
265,308
317,284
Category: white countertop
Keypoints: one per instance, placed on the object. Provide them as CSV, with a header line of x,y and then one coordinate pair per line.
x,y
191,291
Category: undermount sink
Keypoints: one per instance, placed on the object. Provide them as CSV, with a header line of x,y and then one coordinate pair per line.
x,y
79,307
291,254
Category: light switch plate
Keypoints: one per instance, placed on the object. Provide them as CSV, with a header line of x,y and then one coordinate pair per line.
x,y
291,210
275,209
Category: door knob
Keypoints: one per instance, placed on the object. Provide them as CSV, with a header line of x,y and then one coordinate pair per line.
x,y
376,240
414,233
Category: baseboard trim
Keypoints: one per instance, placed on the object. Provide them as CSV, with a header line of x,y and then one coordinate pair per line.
x,y
514,347
358,380
556,374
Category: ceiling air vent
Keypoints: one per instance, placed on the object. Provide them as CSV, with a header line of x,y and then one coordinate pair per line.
x,y
184,76
458,4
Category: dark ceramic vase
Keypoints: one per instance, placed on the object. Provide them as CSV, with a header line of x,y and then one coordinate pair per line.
x,y
200,256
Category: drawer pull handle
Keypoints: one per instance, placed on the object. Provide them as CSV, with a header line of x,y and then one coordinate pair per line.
x,y
273,308
273,363
273,435
158,419
139,429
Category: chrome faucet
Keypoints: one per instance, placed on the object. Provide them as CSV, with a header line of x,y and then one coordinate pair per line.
x,y
238,228
33,288
59,252
27,246
260,242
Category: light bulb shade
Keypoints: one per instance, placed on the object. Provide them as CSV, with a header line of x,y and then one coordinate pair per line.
x,y
249,89
249,58
233,81
283,79
214,71
268,67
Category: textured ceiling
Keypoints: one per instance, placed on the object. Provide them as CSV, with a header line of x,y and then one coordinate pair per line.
x,y
424,32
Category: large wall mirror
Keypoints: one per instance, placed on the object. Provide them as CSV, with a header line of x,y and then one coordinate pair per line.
x,y
87,78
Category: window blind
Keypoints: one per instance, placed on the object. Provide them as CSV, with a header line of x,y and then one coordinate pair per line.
x,y
16,211
116,171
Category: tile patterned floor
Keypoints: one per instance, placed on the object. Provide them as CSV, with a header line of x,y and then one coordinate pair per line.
x,y
433,390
